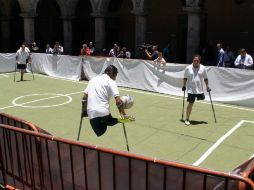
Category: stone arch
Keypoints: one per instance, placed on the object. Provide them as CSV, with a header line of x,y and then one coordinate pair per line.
x,y
120,25
83,25
48,25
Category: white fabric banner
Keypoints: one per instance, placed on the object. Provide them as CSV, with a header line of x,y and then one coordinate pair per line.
x,y
233,86
7,62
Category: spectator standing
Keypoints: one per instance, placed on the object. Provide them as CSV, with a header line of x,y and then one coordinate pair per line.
x,y
58,49
160,60
91,48
244,60
84,50
228,57
22,58
102,52
48,50
124,53
194,75
154,54
114,51
220,55
166,53
34,48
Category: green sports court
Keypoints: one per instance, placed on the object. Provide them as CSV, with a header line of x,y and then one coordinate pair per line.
x,y
54,104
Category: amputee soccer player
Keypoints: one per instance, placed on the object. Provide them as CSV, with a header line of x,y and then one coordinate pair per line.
x,y
194,75
97,95
22,58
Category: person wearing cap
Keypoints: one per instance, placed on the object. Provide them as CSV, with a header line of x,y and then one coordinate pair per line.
x,y
243,60
97,96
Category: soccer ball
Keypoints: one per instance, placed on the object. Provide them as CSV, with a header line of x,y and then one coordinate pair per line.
x,y
128,101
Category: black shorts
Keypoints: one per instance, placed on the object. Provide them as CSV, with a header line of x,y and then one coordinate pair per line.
x,y
99,124
21,66
191,97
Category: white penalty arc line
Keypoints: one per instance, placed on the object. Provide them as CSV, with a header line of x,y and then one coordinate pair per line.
x,y
218,142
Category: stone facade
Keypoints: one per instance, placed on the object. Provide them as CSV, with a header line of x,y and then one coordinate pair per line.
x,y
187,25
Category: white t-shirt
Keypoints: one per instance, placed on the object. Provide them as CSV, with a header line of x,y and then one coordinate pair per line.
x,y
100,89
247,61
195,79
159,60
22,55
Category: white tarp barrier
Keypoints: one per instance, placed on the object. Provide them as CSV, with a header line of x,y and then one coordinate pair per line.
x,y
63,66
7,62
233,86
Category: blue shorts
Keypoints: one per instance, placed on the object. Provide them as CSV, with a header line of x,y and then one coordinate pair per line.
x,y
191,97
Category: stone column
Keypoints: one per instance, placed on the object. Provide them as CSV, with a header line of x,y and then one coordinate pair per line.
x,y
193,31
140,30
28,26
5,34
100,30
67,32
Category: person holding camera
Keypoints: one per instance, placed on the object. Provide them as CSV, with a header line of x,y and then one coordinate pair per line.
x,y
58,49
194,75
22,58
152,55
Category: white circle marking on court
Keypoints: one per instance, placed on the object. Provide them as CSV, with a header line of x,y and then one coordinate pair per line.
x,y
69,99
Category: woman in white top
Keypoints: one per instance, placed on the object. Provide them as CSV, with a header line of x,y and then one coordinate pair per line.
x,y
194,75
160,60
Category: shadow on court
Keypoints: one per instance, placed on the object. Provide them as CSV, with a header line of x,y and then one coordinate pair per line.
x,y
23,80
194,122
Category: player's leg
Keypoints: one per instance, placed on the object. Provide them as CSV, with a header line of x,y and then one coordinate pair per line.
x,y
23,69
98,125
190,100
22,74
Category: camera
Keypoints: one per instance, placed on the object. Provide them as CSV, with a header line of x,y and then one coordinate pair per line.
x,y
144,47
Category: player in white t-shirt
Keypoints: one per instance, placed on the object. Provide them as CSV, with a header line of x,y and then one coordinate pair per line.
x,y
194,75
97,95
22,58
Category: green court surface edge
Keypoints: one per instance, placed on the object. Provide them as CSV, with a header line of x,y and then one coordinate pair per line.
x,y
157,132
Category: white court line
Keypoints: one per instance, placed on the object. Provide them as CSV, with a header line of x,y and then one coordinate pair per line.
x,y
152,93
41,99
4,76
218,142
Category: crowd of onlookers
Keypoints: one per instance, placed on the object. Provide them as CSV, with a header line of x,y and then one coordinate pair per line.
x,y
223,57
